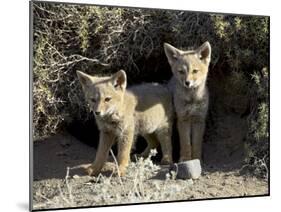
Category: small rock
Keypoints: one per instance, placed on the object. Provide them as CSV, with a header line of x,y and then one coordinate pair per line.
x,y
188,169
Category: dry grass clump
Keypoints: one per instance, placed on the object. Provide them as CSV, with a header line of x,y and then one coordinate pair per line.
x,y
101,40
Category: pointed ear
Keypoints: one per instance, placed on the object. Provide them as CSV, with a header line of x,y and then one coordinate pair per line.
x,y
84,79
172,53
120,80
204,52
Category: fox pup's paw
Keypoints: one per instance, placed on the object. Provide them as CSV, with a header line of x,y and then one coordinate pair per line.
x,y
109,167
122,171
166,160
91,170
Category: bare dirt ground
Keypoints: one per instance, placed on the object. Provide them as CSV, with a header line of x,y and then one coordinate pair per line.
x,y
55,187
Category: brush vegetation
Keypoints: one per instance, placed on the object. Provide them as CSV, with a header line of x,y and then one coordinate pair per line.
x,y
102,40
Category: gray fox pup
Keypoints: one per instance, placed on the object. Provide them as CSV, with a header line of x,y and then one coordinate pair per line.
x,y
190,96
122,113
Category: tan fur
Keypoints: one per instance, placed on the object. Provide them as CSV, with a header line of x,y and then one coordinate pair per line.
x,y
145,110
190,95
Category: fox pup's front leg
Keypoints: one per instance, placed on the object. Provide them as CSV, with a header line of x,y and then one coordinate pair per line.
x,y
184,129
164,137
124,149
198,128
105,143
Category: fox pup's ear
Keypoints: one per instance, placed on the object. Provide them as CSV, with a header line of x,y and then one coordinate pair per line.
x,y
120,80
172,53
84,79
204,52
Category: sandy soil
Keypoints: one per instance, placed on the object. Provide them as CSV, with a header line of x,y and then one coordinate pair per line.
x,y
145,181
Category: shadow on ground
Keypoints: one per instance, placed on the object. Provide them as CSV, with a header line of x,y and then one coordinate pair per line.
x,y
53,155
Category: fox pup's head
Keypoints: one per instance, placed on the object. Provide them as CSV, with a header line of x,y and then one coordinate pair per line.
x,y
189,67
104,94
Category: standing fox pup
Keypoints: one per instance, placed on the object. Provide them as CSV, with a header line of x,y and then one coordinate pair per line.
x,y
121,114
190,95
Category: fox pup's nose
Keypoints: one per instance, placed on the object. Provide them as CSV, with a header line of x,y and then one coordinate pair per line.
x,y
97,113
187,83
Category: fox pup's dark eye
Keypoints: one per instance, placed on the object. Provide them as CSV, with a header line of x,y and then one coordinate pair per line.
x,y
194,71
93,100
181,71
107,99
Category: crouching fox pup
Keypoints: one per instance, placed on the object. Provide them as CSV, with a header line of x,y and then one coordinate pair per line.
x,y
190,96
122,113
